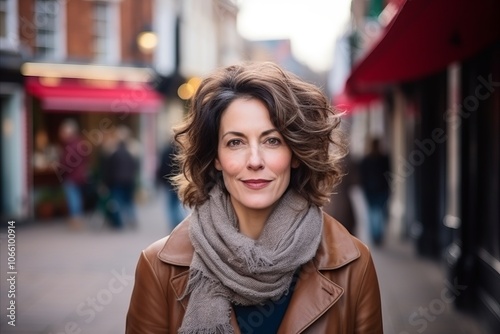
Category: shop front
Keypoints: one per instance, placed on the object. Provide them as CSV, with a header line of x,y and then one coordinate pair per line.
x,y
99,100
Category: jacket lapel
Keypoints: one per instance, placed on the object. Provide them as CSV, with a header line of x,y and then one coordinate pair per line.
x,y
179,285
314,294
178,251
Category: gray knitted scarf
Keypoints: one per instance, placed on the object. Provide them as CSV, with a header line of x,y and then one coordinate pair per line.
x,y
228,267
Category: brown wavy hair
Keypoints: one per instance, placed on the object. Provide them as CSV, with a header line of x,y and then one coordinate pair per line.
x,y
299,111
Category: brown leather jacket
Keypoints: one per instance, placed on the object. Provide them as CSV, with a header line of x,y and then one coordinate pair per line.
x,y
337,291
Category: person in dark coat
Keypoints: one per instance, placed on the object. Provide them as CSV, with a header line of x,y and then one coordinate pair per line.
x,y
120,169
373,170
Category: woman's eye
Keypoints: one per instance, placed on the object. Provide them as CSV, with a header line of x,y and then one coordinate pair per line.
x,y
234,142
273,141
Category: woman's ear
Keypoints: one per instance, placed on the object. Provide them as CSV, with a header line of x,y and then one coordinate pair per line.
x,y
217,164
295,163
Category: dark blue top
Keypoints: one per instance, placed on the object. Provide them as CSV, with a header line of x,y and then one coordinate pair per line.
x,y
265,318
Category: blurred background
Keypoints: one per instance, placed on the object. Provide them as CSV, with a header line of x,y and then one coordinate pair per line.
x,y
90,90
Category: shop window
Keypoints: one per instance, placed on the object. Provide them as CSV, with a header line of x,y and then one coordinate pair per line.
x,y
106,48
49,23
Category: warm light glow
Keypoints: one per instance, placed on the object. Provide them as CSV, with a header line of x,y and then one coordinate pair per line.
x,y
7,128
87,71
194,82
50,81
147,41
185,91
100,83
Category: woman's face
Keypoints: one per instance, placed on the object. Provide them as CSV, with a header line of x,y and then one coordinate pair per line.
x,y
253,157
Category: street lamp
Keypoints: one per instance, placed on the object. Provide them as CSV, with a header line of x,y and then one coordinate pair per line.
x,y
147,41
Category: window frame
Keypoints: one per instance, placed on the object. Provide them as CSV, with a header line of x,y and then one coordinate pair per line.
x,y
11,39
106,42
57,51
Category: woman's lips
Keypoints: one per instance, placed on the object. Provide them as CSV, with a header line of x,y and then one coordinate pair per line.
x,y
256,184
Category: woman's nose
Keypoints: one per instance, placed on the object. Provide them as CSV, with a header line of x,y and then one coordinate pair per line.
x,y
255,160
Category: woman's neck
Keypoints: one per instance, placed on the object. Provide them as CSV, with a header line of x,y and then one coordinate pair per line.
x,y
251,226
252,222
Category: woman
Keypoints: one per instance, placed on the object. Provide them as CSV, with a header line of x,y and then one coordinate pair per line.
x,y
259,156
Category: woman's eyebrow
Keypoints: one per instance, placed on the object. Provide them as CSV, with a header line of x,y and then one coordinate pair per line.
x,y
241,134
234,133
265,133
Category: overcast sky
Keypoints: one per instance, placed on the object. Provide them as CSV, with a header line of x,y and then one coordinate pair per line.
x,y
311,25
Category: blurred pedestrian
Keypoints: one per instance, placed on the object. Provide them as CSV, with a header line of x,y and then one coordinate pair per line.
x,y
258,160
166,169
340,205
120,172
374,167
44,153
73,169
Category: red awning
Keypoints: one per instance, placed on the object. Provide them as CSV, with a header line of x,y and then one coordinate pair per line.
x,y
73,95
348,103
424,37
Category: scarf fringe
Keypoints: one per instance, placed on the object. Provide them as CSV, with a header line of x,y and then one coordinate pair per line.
x,y
254,259
219,329
198,280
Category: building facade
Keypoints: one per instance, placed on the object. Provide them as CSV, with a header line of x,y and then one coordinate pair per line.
x,y
435,70
112,62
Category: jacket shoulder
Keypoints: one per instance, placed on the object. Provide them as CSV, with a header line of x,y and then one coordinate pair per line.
x,y
339,228
151,252
176,248
338,247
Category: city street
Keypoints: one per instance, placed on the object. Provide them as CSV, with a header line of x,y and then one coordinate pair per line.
x,y
94,92
80,281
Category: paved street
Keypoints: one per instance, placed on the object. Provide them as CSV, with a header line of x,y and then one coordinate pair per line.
x,y
80,281
416,295
69,280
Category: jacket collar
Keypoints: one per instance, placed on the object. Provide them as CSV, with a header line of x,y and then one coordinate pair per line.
x,y
314,293
336,248
178,249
